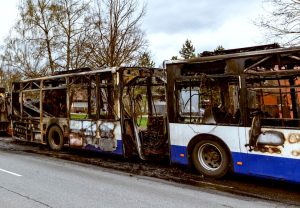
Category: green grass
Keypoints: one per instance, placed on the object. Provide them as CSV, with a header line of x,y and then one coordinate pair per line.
x,y
142,122
79,116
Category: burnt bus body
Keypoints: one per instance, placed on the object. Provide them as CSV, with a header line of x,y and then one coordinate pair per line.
x,y
237,110
114,110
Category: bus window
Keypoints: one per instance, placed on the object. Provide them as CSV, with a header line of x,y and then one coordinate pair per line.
x,y
212,101
54,103
31,104
189,102
79,102
106,97
277,100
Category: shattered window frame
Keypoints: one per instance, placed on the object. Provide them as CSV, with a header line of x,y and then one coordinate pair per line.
x,y
276,99
212,106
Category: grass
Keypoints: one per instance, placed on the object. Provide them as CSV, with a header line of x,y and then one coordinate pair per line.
x,y
142,122
78,116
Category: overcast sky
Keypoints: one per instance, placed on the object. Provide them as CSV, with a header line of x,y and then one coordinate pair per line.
x,y
168,23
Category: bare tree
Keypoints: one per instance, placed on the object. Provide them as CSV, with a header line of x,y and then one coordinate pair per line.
x,y
282,21
19,54
37,17
55,30
62,34
9,74
70,18
117,38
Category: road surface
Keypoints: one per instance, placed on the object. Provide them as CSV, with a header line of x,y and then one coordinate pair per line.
x,y
29,180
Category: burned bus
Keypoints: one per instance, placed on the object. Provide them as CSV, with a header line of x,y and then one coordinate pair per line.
x,y
237,110
116,110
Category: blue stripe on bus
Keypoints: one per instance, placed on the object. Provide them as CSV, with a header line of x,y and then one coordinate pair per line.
x,y
278,168
179,155
118,151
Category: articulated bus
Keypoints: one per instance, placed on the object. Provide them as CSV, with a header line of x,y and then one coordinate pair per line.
x,y
233,111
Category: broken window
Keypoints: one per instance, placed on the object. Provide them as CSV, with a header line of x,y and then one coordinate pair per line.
x,y
106,96
54,103
209,101
276,99
92,97
189,99
79,100
30,102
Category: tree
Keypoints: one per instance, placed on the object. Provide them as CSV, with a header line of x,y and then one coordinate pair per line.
x,y
219,48
174,58
69,16
7,75
282,22
117,38
187,51
57,26
19,54
54,35
40,27
145,60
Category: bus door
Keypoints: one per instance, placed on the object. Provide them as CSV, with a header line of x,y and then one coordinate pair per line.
x,y
273,132
94,119
144,112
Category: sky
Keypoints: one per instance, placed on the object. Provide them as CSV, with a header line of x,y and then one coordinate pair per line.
x,y
8,17
207,23
168,23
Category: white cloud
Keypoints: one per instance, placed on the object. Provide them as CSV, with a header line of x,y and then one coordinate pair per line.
x,y
207,23
169,23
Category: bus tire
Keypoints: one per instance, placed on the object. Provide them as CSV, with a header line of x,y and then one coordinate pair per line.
x,y
210,158
55,138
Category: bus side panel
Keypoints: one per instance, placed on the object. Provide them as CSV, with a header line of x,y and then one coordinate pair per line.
x,y
281,164
279,160
179,155
266,166
182,134
118,151
100,136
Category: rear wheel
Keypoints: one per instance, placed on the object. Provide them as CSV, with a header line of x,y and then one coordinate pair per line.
x,y
55,138
210,158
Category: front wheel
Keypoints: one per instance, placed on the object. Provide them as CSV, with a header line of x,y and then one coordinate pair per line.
x,y
210,158
55,138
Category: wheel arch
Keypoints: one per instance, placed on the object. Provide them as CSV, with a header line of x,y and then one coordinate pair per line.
x,y
211,137
55,122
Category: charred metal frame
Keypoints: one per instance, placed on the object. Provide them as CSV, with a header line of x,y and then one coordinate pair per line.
x,y
3,112
246,66
31,119
253,69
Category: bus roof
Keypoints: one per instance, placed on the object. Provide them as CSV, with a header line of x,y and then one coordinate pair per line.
x,y
236,55
83,71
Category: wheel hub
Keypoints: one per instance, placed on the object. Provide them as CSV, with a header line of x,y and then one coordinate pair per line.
x,y
210,157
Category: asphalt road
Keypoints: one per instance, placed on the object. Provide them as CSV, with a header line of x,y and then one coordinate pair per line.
x,y
28,180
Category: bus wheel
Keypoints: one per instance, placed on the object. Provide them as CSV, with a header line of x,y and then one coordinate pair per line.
x,y
210,159
55,138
